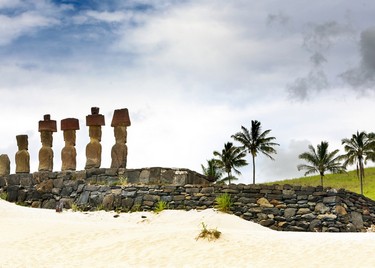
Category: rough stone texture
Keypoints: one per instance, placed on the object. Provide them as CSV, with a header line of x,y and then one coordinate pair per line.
x,y
46,129
22,155
4,165
279,207
69,153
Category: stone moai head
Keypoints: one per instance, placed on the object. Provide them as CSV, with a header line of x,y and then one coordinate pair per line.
x,y
69,126
46,128
94,121
120,122
22,142
4,165
22,155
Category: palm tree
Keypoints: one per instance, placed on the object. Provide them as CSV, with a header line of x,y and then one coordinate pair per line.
x,y
320,161
255,141
212,171
231,157
359,149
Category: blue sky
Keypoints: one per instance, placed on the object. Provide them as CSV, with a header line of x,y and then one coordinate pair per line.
x,y
190,73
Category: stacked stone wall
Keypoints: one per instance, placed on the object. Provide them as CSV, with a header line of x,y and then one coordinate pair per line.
x,y
279,207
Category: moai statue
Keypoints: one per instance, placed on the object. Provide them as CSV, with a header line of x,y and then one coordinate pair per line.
x,y
94,121
22,156
68,153
4,165
46,129
119,153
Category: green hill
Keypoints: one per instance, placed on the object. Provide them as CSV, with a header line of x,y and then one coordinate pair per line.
x,y
347,181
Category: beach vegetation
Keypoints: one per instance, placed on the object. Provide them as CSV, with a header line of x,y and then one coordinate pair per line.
x,y
136,207
223,202
209,234
320,161
230,158
75,207
359,149
348,181
254,141
160,206
4,195
212,170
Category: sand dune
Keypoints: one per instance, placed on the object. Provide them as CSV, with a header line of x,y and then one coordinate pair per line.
x,y
43,238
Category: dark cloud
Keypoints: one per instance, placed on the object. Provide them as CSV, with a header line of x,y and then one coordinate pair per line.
x,y
317,41
363,76
302,87
279,18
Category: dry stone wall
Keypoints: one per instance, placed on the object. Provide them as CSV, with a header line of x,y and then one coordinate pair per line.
x,y
279,207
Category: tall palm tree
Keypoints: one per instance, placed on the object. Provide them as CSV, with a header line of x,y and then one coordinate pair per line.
x,y
229,159
359,148
320,161
212,171
255,141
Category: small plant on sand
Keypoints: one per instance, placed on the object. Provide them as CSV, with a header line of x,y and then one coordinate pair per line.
x,y
160,206
100,207
136,207
224,202
210,234
4,195
75,207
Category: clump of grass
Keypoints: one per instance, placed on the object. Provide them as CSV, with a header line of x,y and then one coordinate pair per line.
x,y
210,234
160,206
224,202
122,181
136,207
4,195
100,207
75,207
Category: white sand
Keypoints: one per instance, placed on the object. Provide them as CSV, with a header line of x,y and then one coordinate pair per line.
x,y
43,238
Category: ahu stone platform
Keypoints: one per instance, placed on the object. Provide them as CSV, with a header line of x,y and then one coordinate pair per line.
x,y
279,207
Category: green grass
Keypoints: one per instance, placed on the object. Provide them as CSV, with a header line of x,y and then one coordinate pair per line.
x,y
160,206
223,202
347,181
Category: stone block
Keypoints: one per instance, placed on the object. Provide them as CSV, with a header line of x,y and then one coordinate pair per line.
x,y
290,212
357,220
331,199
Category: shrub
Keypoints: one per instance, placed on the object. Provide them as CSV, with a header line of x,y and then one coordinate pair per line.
x,y
4,195
75,207
210,234
160,206
224,202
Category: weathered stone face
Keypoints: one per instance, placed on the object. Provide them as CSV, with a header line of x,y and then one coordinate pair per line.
x,y
68,153
94,148
46,152
119,151
4,165
22,156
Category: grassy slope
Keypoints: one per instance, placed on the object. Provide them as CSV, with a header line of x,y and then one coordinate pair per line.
x,y
347,181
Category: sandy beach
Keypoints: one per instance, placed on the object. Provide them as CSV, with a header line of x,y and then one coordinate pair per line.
x,y
43,238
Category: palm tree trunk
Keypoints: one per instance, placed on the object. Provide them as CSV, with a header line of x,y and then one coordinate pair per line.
x,y
229,177
253,168
321,180
361,171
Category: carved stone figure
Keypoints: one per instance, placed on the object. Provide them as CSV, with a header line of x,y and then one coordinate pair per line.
x,y
119,152
94,148
68,153
4,165
46,129
22,156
